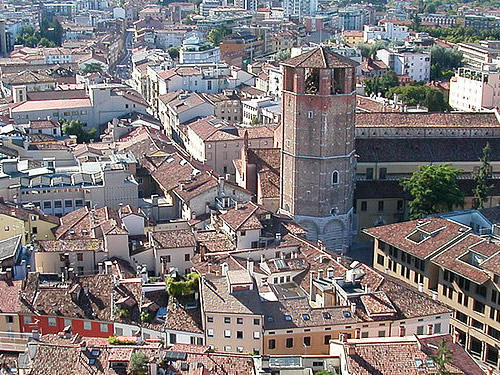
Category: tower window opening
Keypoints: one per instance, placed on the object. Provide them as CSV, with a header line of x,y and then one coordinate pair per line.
x,y
335,177
312,81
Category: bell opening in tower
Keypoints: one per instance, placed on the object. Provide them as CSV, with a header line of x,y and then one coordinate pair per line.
x,y
312,81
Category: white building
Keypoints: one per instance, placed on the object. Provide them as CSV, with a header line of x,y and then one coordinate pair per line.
x,y
474,90
299,8
194,51
416,65
385,30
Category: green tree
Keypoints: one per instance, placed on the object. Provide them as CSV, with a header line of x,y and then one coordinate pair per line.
x,y
381,84
216,35
443,60
75,127
416,94
282,55
138,363
182,286
482,189
442,358
174,52
94,67
433,189
430,8
44,42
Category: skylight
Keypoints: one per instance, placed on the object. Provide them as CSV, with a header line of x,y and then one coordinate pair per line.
x,y
288,318
306,317
327,315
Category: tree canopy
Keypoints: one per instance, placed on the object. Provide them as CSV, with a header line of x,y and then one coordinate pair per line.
x,y
49,34
138,363
94,67
216,35
420,95
182,286
370,50
442,358
381,84
444,61
75,127
433,189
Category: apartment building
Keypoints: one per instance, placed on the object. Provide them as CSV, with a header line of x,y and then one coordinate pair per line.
x,y
217,143
445,259
479,55
385,30
416,65
194,51
292,298
474,90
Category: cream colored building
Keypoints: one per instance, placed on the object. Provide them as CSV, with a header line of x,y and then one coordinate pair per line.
x,y
474,90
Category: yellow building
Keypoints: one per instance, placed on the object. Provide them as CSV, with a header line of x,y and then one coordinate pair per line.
x,y
30,223
353,36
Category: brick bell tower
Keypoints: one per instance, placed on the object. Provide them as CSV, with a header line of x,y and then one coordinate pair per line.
x,y
317,160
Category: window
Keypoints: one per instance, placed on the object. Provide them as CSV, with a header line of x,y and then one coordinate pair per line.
x,y
420,330
271,344
79,257
400,205
165,259
210,319
9,319
380,259
307,340
256,322
87,326
478,307
437,328
369,173
227,333
78,203
364,206
172,338
380,206
310,114
335,177
210,332
47,204
364,335
104,327
382,333
227,348
227,320
243,233
481,290
27,320
34,230
187,257
239,320
382,173
57,204
52,322
239,349
289,342
256,335
239,334
68,203
326,339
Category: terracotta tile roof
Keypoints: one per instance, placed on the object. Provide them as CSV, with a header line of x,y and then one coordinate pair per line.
x,y
44,124
55,104
365,104
14,210
193,100
321,57
242,217
214,241
81,244
387,357
419,237
9,290
84,222
457,258
460,359
217,298
173,239
438,120
182,71
182,319
378,304
268,166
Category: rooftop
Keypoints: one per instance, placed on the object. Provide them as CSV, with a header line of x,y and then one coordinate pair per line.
x,y
322,58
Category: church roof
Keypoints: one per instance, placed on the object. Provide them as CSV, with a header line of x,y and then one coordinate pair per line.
x,y
322,58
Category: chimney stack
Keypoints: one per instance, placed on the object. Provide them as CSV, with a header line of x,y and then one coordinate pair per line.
x,y
357,333
456,337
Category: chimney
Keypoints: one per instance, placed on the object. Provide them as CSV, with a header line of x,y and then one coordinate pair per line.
x,y
339,259
278,237
402,331
351,350
71,273
311,278
250,266
429,329
343,337
330,272
353,308
224,267
100,267
236,205
490,370
420,287
203,250
456,337
434,295
357,333
282,254
368,289
264,364
263,258
320,274
8,274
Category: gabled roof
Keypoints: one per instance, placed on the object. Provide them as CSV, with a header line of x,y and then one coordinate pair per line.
x,y
242,217
9,247
322,58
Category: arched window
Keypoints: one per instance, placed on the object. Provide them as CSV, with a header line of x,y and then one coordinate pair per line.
x,y
335,177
